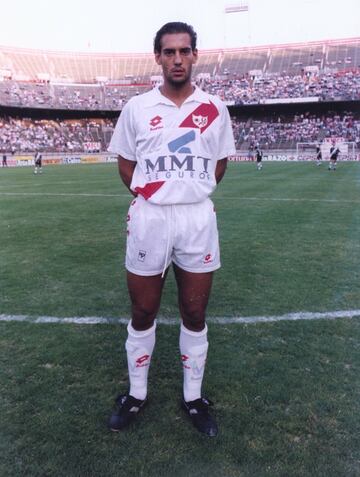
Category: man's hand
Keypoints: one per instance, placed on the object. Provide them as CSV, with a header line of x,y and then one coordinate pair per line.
x,y
126,171
220,169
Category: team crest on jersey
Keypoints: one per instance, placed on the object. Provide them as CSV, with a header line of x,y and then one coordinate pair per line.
x,y
202,117
200,121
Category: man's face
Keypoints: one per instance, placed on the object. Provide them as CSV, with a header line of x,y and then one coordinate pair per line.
x,y
176,58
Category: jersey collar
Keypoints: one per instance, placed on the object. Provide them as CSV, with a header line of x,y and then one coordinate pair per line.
x,y
155,97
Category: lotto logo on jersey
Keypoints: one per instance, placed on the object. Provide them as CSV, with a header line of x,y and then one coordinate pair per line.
x,y
155,123
202,117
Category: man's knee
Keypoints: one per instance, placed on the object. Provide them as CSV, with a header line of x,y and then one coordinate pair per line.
x,y
143,316
193,317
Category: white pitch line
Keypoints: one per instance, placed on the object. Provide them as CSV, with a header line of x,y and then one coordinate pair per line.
x,y
64,194
293,199
85,194
96,320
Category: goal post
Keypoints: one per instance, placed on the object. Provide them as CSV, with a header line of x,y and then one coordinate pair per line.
x,y
306,151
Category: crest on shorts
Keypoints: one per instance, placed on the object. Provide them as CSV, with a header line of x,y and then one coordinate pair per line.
x,y
141,255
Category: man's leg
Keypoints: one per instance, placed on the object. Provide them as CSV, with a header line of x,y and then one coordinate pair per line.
x,y
194,291
145,294
193,295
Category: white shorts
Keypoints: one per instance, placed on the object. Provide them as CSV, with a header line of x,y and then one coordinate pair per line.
x,y
185,234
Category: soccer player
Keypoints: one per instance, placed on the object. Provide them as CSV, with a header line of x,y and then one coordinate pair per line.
x,y
318,155
258,155
38,163
4,160
334,152
172,145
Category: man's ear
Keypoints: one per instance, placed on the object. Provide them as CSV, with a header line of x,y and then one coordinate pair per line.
x,y
195,55
157,58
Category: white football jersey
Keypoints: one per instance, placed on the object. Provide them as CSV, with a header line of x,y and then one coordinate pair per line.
x,y
176,148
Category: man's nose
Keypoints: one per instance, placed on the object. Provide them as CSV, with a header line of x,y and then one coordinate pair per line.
x,y
177,59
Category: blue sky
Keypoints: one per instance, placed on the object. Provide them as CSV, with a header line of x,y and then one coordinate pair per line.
x,y
119,26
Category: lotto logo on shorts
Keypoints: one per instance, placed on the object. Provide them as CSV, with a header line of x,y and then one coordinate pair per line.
x,y
208,258
141,255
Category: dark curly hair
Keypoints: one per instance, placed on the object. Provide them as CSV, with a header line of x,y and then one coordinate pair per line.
x,y
174,27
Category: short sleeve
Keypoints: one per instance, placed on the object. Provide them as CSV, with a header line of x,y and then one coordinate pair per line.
x,y
226,145
123,140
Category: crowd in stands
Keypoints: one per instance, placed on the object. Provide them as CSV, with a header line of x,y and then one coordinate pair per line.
x,y
285,133
67,96
73,136
326,86
343,86
244,77
59,96
28,135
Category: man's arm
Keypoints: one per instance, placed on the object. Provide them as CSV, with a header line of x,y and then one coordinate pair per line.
x,y
220,169
126,171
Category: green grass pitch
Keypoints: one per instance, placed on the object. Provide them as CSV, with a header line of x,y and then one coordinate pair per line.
x,y
286,393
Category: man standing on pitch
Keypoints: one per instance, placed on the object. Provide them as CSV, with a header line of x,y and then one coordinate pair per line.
x,y
173,143
259,156
334,152
38,163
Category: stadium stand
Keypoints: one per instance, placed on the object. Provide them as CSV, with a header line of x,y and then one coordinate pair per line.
x,y
40,88
27,135
343,85
285,132
339,86
321,70
86,68
281,132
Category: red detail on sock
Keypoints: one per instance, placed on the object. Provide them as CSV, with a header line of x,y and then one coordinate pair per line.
x,y
141,360
149,189
184,358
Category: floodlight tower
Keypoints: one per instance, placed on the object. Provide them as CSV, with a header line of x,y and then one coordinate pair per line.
x,y
237,21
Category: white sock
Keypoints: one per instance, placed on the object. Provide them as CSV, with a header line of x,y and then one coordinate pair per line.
x,y
193,349
139,347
